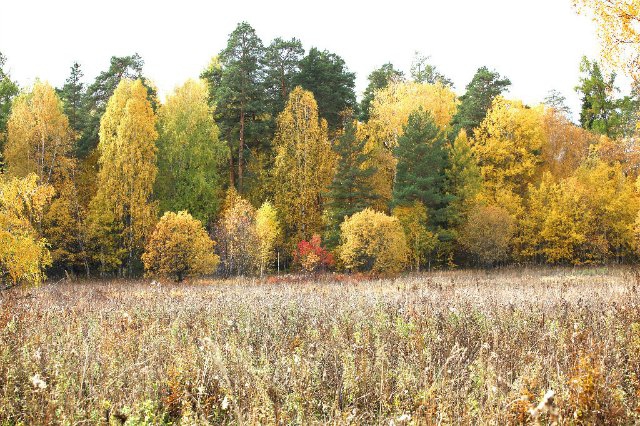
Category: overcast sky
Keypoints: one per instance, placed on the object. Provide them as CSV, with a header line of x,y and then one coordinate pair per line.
x,y
537,44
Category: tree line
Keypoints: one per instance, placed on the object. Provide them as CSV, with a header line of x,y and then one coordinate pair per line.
x,y
267,161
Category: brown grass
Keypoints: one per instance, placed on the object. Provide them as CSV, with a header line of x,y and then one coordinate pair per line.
x,y
450,347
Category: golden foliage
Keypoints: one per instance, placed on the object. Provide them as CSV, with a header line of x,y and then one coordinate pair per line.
x,y
304,166
128,164
587,217
618,26
565,146
39,137
23,252
269,234
179,247
40,141
373,241
420,240
239,244
392,106
508,144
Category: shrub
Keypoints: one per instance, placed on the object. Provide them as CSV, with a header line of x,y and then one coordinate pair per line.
x,y
373,241
179,247
239,245
487,234
311,256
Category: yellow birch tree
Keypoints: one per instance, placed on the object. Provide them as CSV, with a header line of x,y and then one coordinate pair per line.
x,y
127,168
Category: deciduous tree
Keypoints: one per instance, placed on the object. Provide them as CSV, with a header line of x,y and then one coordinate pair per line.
x,y
179,247
420,241
487,234
508,146
40,141
373,241
304,166
618,28
190,155
378,79
269,234
236,233
128,167
23,252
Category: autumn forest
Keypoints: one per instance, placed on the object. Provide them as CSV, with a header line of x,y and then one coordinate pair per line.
x,y
268,161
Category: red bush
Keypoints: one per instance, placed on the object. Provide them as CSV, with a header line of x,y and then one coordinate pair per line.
x,y
311,256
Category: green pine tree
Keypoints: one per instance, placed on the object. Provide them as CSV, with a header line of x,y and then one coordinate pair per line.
x,y
326,75
477,100
351,190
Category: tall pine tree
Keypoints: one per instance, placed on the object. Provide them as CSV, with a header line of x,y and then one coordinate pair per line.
x,y
325,74
73,96
240,97
474,104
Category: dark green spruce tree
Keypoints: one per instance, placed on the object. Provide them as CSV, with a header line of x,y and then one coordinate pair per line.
x,y
351,190
73,96
421,170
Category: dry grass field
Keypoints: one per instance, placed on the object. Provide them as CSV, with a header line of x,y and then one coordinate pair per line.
x,y
441,348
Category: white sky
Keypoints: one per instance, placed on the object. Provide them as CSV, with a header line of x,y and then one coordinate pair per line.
x,y
537,44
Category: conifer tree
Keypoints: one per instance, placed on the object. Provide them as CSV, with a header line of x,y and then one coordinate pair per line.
x,y
479,95
351,190
240,96
422,161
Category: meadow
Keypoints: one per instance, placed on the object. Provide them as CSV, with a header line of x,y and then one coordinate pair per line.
x,y
463,347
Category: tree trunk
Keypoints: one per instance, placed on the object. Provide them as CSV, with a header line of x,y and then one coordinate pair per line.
x,y
240,150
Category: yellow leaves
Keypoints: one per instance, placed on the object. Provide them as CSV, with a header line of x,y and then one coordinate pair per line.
x,y
39,137
128,160
237,235
588,217
419,239
392,106
618,26
179,247
304,165
23,253
373,241
508,145
269,233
